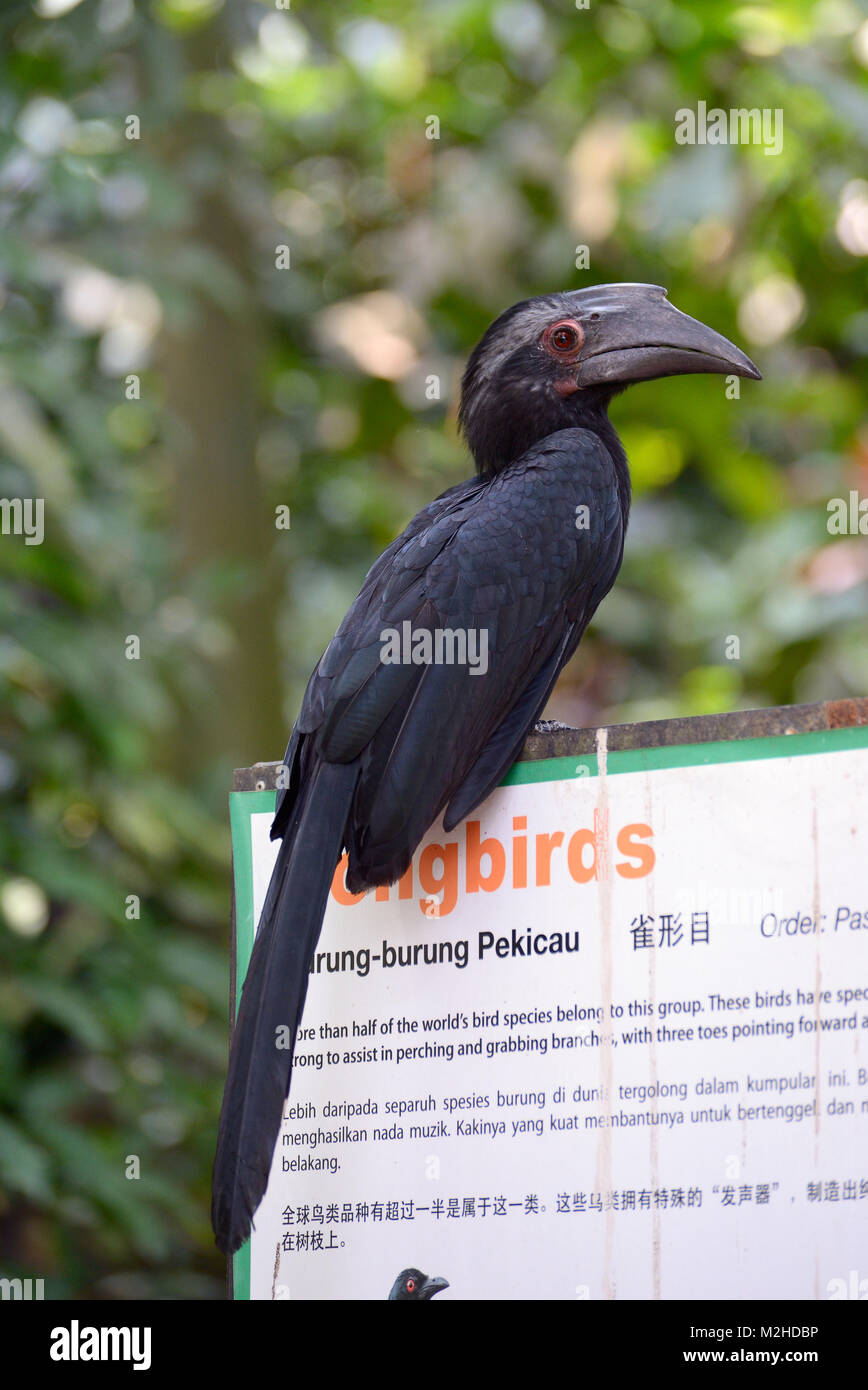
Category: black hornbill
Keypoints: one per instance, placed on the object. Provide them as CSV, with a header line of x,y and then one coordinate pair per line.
x,y
412,1286
523,553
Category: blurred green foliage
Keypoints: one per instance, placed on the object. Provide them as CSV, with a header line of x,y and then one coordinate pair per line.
x,y
165,385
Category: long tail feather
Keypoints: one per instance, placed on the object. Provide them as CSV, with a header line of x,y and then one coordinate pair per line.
x,y
260,1058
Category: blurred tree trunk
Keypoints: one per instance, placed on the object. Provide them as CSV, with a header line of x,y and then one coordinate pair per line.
x,y
210,372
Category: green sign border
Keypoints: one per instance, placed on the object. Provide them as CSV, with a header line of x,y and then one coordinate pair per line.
x,y
242,805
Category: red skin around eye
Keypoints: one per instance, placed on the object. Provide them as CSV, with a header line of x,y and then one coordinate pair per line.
x,y
563,354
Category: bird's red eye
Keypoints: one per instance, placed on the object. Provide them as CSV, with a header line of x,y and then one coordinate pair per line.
x,y
411,1285
563,339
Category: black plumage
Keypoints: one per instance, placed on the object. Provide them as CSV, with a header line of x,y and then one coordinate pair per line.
x,y
522,553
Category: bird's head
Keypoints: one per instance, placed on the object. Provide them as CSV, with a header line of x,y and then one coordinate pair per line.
x,y
412,1285
554,363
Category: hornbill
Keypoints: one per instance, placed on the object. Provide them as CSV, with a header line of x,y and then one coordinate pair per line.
x,y
521,554
412,1286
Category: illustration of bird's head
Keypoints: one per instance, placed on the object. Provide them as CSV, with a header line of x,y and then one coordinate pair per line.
x,y
412,1284
548,362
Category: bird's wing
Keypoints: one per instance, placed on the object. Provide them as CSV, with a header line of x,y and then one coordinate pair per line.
x,y
506,560
354,635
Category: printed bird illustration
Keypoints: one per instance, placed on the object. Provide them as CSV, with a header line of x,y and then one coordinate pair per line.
x,y
524,552
412,1285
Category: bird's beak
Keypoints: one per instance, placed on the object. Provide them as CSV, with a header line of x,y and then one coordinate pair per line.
x,y
642,336
432,1286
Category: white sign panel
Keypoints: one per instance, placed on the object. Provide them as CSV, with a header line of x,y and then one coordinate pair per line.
x,y
607,1039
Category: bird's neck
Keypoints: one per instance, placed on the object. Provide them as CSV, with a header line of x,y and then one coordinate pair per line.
x,y
597,420
500,438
